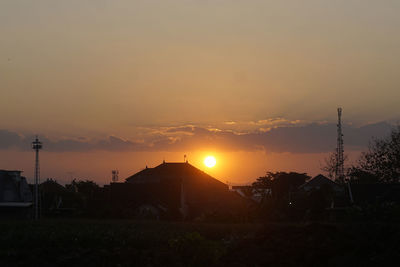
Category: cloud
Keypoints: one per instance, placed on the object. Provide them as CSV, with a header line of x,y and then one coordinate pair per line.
x,y
187,129
9,139
12,140
308,138
294,138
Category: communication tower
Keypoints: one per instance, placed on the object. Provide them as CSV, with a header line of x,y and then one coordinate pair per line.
x,y
37,145
114,176
339,169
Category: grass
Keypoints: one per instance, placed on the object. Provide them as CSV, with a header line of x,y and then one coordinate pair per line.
x,y
140,243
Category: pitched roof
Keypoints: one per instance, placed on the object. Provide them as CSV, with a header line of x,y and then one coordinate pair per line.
x,y
317,181
173,170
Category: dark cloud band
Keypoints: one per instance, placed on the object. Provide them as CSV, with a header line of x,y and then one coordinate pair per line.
x,y
309,138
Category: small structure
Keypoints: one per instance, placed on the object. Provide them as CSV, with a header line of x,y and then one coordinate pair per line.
x,y
15,194
114,177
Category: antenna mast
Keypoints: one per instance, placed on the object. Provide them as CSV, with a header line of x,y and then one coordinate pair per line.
x,y
339,170
37,145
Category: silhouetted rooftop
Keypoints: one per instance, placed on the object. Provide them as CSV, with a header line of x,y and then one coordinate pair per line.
x,y
171,170
317,181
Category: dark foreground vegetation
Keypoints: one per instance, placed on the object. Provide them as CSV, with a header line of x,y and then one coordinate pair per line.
x,y
139,243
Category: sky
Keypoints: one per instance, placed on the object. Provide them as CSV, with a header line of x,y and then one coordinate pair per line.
x,y
124,84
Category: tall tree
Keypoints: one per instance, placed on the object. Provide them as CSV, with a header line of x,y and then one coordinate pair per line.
x,y
382,159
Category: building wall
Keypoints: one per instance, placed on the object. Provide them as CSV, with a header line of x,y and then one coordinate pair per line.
x,y
13,187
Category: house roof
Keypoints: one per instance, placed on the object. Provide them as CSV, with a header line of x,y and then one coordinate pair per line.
x,y
171,170
317,181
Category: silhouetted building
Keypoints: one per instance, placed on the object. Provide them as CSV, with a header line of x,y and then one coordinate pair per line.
x,y
319,182
319,198
15,194
174,190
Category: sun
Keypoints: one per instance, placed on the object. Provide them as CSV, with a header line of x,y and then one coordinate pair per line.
x,y
210,161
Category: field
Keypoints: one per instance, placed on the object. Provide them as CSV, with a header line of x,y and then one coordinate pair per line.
x,y
141,243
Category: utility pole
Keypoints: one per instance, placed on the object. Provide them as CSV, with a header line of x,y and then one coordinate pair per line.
x,y
37,145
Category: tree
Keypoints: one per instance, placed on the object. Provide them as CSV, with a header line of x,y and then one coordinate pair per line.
x,y
358,176
330,165
382,159
86,188
275,187
87,191
280,183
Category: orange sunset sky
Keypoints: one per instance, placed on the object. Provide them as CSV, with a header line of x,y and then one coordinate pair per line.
x,y
124,84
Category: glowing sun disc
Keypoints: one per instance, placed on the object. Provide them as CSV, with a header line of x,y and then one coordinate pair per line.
x,y
210,161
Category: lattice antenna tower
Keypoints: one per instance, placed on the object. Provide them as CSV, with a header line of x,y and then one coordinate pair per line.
x,y
37,145
339,170
114,176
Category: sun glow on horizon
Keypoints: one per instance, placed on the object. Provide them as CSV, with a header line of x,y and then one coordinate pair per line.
x,y
210,161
